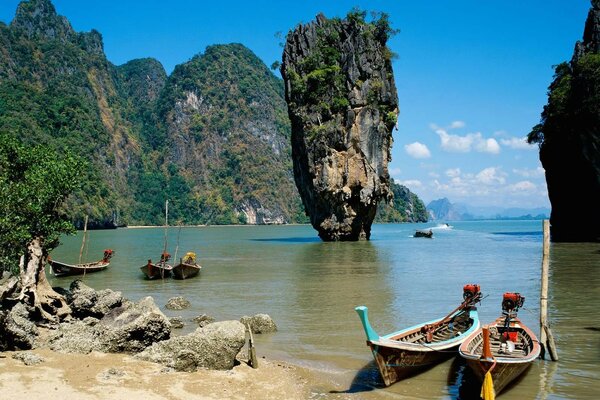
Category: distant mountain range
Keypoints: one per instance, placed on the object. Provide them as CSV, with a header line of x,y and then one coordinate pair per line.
x,y
444,210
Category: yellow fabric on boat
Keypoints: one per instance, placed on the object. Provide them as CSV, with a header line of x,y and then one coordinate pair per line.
x,y
190,258
487,389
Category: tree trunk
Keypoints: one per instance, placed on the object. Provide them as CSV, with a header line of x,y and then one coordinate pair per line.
x,y
35,289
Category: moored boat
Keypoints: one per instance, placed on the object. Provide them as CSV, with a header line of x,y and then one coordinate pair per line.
x,y
187,267
408,351
421,233
62,269
501,351
158,270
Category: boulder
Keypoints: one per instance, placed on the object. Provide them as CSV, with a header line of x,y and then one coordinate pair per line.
x,y
28,358
79,336
135,326
176,322
129,328
260,323
177,303
203,320
214,347
87,302
16,329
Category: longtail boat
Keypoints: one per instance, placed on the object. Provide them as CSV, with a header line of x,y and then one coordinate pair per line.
x,y
62,269
158,270
421,233
187,267
408,351
501,351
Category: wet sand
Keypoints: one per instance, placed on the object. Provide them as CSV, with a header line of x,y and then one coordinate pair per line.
x,y
117,376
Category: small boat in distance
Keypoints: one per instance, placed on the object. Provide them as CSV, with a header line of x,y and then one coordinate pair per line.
x,y
501,351
408,351
187,267
63,269
421,233
158,270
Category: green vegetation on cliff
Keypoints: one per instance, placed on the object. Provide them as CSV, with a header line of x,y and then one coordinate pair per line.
x,y
405,207
213,137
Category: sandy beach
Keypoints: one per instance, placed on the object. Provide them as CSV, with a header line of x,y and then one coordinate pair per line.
x,y
117,376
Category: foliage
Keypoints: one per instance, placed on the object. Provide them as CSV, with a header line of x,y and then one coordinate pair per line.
x,y
573,108
319,82
34,183
405,207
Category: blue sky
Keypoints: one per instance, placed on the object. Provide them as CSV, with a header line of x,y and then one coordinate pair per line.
x,y
471,75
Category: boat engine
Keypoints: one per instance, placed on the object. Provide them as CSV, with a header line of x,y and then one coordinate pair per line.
x,y
471,291
511,302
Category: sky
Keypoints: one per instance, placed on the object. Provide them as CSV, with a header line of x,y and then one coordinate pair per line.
x,y
472,76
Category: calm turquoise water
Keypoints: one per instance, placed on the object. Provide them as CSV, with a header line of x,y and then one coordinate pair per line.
x,y
310,288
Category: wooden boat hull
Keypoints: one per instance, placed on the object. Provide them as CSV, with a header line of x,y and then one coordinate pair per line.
x,y
397,359
157,271
185,271
397,364
64,269
508,366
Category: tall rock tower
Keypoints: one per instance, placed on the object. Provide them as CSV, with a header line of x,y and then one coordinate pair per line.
x,y
569,139
343,105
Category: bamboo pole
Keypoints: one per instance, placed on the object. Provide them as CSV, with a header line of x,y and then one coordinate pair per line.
x,y
546,337
83,239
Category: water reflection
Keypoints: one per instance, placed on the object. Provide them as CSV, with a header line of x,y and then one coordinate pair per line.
x,y
574,303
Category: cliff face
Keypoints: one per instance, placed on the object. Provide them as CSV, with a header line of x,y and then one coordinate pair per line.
x,y
569,138
343,105
213,137
227,131
405,206
57,88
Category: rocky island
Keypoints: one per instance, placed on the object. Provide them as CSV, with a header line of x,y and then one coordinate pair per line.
x,y
343,105
569,140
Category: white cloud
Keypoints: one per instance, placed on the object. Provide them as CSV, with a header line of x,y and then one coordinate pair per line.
x,y
487,145
491,176
530,173
523,186
457,124
412,184
464,144
453,172
395,171
417,150
517,143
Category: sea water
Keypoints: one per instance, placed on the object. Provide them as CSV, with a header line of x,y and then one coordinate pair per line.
x,y
310,289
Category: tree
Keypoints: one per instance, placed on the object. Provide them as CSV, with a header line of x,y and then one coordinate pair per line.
x,y
34,182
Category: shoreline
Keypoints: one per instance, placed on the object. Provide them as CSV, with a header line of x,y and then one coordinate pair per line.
x,y
121,376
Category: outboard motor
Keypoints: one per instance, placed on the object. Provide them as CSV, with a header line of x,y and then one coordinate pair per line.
x,y
471,291
511,302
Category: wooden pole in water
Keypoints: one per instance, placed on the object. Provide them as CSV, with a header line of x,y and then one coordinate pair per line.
x,y
546,337
83,239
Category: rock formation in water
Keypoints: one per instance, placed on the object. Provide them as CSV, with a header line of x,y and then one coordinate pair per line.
x,y
569,139
343,105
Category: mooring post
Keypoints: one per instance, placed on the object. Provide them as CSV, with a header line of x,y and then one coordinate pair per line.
x,y
546,337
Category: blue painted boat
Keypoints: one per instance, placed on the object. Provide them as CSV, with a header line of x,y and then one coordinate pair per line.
x,y
408,351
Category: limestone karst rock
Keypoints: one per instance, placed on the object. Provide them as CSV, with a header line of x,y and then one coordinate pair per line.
x,y
343,105
569,138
